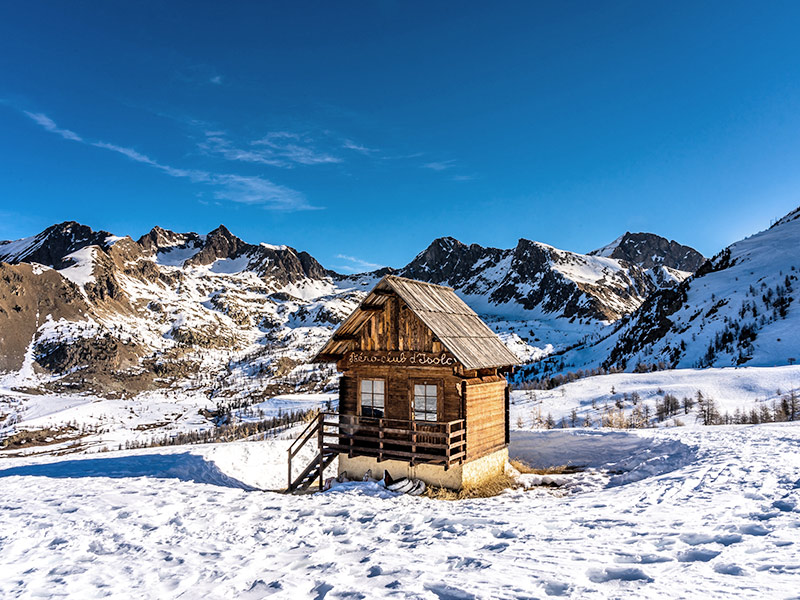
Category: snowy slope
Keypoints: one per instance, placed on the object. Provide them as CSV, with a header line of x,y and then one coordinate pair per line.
x,y
676,513
733,390
740,308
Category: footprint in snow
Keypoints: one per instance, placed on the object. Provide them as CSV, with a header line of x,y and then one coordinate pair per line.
x,y
698,555
446,592
556,588
754,529
729,569
643,559
765,516
618,573
504,534
784,505
467,562
496,547
697,539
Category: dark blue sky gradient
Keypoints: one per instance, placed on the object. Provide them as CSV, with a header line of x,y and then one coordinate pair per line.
x,y
367,129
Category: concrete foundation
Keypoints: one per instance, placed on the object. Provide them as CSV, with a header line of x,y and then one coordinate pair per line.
x,y
469,474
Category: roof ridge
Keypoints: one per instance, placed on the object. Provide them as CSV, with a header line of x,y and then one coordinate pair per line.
x,y
418,282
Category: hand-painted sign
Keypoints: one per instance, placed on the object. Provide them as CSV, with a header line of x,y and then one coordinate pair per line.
x,y
412,359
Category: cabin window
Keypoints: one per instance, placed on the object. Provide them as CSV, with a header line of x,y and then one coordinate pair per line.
x,y
426,399
372,397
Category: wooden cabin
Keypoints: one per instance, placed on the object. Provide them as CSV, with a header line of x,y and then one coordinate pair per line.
x,y
423,392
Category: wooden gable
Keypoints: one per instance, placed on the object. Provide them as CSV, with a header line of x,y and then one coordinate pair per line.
x,y
403,315
395,336
396,328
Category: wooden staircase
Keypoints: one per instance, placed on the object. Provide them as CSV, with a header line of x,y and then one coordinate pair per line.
x,y
314,431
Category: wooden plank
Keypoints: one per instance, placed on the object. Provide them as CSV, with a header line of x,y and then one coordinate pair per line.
x,y
394,442
388,454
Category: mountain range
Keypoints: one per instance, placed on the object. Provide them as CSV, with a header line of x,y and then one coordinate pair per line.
x,y
88,310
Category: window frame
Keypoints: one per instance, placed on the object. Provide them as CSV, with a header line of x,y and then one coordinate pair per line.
x,y
361,381
438,383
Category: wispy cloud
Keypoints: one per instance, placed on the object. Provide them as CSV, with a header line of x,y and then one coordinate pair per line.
x,y
235,188
277,149
50,125
441,165
216,80
257,190
360,148
463,177
294,147
356,265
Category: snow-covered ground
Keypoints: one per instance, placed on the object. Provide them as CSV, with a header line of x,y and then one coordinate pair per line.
x,y
731,388
98,424
668,513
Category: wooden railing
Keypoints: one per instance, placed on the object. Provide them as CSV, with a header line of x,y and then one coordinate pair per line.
x,y
417,442
313,429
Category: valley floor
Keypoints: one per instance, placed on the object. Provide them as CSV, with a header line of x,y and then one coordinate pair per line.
x,y
671,513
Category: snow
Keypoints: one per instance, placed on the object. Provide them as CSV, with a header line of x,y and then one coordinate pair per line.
x,y
38,269
285,403
608,250
18,249
113,239
710,512
273,246
81,271
230,265
587,269
731,388
739,293
175,256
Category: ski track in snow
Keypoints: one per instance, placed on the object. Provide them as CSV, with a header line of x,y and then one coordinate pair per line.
x,y
712,513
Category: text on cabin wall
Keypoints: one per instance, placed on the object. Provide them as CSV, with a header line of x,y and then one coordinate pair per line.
x,y
402,358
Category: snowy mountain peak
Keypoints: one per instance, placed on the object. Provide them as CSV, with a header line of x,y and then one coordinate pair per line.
x,y
51,246
219,244
159,239
740,308
649,251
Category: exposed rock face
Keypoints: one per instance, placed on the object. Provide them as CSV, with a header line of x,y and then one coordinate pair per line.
x,y
220,243
448,260
161,239
282,264
52,245
540,278
28,299
649,250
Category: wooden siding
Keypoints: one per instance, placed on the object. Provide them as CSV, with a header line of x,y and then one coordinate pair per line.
x,y
396,328
347,395
485,415
399,390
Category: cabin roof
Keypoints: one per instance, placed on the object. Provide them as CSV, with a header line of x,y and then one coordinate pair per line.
x,y
454,323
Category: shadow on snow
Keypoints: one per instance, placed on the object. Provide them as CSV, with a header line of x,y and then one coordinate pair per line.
x,y
184,467
627,456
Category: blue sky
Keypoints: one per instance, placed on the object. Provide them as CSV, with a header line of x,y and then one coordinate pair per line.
x,y
360,131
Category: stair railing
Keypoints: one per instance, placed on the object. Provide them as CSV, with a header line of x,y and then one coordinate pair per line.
x,y
314,427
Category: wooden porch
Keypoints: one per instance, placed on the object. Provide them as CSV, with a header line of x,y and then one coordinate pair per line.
x,y
416,442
